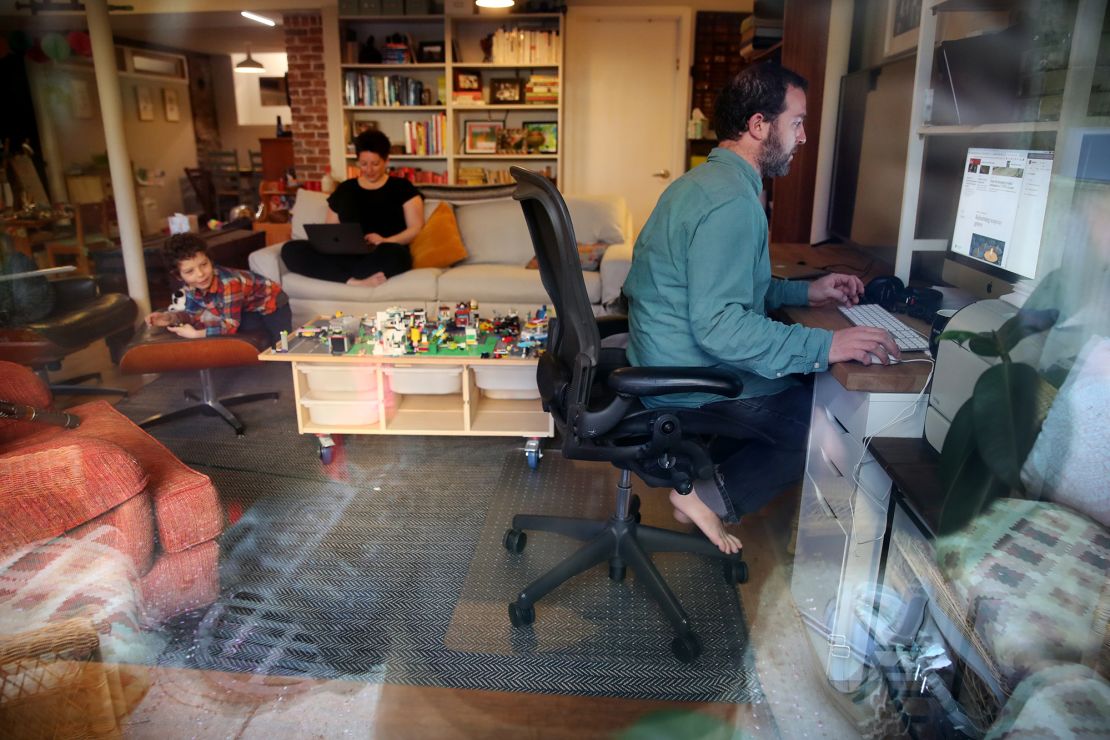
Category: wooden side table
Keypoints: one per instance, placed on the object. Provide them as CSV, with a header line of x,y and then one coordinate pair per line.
x,y
275,233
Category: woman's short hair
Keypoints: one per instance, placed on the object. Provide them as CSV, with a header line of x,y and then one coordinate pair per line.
x,y
760,88
372,141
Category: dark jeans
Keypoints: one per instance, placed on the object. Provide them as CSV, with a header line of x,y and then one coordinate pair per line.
x,y
271,323
300,257
750,473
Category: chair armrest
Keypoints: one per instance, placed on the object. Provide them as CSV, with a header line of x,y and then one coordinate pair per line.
x,y
658,381
72,639
267,262
73,292
615,264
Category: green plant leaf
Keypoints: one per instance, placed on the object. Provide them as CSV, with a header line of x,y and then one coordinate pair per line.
x,y
986,345
968,485
958,336
1005,414
1025,323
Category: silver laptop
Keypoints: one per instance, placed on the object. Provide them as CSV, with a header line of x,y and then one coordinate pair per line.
x,y
343,238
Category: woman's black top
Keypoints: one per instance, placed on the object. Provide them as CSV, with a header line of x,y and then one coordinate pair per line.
x,y
379,211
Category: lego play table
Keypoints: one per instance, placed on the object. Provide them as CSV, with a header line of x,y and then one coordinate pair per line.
x,y
445,393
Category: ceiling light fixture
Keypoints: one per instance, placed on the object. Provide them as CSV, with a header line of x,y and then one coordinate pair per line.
x,y
494,3
258,18
249,65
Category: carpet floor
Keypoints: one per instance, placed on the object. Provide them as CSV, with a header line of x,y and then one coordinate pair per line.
x,y
387,565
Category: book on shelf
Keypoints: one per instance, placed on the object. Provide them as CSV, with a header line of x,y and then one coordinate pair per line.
x,y
492,176
426,138
525,46
542,89
468,97
361,88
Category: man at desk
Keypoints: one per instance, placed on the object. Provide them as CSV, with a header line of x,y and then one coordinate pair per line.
x,y
700,287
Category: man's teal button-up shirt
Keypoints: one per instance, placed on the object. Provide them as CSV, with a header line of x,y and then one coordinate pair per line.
x,y
700,286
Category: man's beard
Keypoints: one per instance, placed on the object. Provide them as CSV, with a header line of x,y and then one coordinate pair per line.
x,y
774,160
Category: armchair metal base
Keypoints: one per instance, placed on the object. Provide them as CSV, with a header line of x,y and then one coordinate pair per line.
x,y
623,542
208,403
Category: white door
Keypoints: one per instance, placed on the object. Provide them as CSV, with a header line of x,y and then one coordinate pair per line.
x,y
627,102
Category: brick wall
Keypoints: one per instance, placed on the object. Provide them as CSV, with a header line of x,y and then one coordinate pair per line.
x,y
304,44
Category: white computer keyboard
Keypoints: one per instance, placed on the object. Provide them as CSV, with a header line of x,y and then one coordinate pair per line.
x,y
871,314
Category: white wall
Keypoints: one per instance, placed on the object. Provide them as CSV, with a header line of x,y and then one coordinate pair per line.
x,y
232,134
157,144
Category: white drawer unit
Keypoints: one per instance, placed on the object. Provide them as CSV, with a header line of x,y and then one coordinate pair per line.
x,y
842,520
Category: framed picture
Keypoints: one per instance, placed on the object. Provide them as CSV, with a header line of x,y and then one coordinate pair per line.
x,y
467,80
550,131
169,100
903,19
144,102
506,91
432,52
481,137
79,96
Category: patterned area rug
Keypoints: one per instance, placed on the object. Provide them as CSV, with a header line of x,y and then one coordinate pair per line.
x,y
387,565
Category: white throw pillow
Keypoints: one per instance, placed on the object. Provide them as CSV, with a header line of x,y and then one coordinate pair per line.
x,y
597,218
1069,462
311,207
494,232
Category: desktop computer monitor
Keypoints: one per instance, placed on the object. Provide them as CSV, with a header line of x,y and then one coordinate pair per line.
x,y
996,241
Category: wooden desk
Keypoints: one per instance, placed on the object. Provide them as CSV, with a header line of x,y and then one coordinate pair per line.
x,y
906,377
913,467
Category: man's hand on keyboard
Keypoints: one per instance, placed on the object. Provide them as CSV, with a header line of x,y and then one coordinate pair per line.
x,y
835,289
864,344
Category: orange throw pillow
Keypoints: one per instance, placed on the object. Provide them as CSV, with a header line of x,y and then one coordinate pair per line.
x,y
438,244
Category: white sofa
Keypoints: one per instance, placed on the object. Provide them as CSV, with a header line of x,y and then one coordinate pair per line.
x,y
494,274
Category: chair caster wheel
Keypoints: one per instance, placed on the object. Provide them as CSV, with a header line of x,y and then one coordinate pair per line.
x,y
327,454
521,616
616,572
736,571
686,647
514,540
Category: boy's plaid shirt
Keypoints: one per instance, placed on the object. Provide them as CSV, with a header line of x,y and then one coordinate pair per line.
x,y
220,309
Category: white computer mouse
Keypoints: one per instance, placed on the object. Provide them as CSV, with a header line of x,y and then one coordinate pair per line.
x,y
892,360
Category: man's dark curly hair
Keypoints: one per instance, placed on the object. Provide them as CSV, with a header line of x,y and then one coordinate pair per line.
x,y
372,141
180,247
760,88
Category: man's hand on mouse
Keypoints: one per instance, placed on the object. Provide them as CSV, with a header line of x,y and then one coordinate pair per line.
x,y
835,289
864,344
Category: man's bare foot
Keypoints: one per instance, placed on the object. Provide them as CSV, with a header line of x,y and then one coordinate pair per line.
x,y
368,282
691,509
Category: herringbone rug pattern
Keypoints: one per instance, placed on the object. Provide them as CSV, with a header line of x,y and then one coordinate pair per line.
x,y
387,565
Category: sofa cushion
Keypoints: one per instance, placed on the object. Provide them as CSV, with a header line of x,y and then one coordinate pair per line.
x,y
1062,701
414,285
54,485
186,508
1031,575
495,233
438,244
310,207
181,581
130,530
503,284
589,257
17,385
1068,463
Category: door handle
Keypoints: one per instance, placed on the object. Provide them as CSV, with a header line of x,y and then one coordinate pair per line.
x,y
662,174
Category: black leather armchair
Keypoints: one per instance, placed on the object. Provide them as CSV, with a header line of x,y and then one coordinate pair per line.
x,y
595,400
81,316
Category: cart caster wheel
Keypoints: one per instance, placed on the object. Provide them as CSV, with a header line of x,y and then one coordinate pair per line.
x,y
514,540
634,508
686,647
521,616
533,453
327,454
616,572
736,571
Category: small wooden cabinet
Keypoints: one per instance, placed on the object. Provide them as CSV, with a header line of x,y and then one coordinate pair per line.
x,y
277,157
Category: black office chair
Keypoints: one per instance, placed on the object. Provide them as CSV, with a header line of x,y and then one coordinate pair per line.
x,y
594,397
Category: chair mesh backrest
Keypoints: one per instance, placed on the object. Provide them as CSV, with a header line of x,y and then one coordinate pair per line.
x,y
574,344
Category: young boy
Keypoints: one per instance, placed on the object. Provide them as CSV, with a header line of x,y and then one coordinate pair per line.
x,y
219,300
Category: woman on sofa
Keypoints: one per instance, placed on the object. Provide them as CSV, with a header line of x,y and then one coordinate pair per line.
x,y
389,210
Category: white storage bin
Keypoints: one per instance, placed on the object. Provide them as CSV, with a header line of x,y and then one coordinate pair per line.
x,y
424,380
361,379
507,382
345,412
